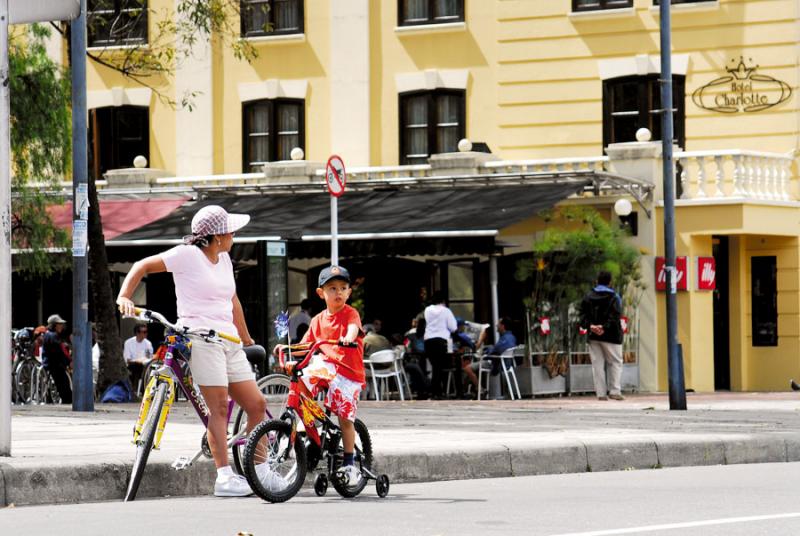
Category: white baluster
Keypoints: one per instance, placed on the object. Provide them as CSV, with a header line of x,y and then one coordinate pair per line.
x,y
767,177
718,183
738,176
684,178
781,184
701,177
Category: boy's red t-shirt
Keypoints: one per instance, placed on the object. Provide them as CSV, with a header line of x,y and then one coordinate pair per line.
x,y
349,361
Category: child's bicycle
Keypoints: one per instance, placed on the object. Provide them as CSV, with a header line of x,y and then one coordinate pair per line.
x,y
159,394
290,454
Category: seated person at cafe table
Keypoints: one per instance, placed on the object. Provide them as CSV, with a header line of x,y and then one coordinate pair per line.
x,y
505,341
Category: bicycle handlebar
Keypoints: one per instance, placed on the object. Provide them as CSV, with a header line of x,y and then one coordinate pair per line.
x,y
150,316
310,349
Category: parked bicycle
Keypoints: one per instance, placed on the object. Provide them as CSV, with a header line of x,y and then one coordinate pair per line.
x,y
161,389
278,446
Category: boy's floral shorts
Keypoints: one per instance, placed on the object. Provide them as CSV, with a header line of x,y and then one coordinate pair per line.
x,y
343,393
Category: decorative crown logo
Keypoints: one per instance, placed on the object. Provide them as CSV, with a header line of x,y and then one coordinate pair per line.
x,y
742,71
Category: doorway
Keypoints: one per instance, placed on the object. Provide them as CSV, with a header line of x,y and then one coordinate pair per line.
x,y
722,358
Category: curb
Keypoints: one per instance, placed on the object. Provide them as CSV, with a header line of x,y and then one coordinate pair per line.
x,y
64,482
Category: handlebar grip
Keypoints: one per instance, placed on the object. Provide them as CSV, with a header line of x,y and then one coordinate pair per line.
x,y
234,339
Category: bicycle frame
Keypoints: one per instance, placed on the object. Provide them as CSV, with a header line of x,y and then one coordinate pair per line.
x,y
171,373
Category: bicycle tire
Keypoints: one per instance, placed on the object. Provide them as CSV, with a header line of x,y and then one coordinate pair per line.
x,y
363,459
278,435
23,379
145,442
275,388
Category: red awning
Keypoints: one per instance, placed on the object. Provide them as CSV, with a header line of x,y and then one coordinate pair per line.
x,y
120,215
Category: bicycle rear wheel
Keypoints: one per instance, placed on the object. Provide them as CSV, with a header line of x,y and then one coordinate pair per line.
x,y
275,389
275,469
363,453
145,442
23,378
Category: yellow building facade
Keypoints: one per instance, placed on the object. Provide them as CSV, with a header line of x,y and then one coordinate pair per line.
x,y
555,79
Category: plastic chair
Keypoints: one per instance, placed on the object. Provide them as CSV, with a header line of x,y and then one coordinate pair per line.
x,y
507,367
387,368
400,354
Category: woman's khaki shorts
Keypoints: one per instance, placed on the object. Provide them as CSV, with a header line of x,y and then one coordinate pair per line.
x,y
219,363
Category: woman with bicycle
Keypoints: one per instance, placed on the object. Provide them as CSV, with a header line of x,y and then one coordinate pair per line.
x,y
206,298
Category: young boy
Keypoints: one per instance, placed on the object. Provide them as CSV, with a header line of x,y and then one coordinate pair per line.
x,y
341,367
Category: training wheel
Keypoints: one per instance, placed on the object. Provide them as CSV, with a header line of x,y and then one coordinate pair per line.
x,y
321,484
382,486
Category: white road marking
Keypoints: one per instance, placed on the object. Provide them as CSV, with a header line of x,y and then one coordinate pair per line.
x,y
689,524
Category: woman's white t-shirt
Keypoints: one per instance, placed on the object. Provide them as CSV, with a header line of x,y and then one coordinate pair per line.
x,y
204,290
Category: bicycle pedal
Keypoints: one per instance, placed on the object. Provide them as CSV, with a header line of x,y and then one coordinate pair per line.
x,y
181,463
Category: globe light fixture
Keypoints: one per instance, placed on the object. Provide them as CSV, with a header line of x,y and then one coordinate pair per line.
x,y
297,154
464,145
643,134
623,207
140,162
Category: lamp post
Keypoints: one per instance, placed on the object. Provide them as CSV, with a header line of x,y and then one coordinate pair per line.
x,y
677,389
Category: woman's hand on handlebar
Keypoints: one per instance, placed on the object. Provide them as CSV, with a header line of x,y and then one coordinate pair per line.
x,y
126,306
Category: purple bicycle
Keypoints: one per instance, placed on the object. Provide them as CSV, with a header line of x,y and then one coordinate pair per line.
x,y
163,380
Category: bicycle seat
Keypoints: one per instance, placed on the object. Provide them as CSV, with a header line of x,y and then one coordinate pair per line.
x,y
255,353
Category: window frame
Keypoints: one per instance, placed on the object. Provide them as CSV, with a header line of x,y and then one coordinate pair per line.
x,y
273,127
648,86
431,20
97,139
677,2
247,35
91,41
602,6
431,119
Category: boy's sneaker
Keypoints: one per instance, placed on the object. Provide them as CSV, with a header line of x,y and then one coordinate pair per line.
x,y
350,475
232,486
269,478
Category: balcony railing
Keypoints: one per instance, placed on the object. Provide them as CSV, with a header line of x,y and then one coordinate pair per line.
x,y
708,176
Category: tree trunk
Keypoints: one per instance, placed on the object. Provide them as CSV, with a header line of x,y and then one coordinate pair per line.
x,y
112,364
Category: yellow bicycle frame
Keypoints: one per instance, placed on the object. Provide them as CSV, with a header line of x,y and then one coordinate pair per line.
x,y
145,407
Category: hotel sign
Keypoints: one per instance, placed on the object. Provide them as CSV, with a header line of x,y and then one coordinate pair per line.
x,y
742,90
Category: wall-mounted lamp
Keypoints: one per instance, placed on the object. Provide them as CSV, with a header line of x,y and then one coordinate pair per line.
x,y
627,218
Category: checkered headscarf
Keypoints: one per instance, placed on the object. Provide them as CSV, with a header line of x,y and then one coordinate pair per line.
x,y
215,220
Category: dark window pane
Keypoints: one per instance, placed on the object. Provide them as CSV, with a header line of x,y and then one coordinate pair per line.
x,y
448,110
116,22
431,123
412,12
415,10
117,135
446,9
272,128
589,5
268,17
764,287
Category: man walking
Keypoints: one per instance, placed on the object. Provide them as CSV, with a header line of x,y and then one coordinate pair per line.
x,y
56,358
601,310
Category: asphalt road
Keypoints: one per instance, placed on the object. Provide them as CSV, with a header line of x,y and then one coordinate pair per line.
x,y
730,500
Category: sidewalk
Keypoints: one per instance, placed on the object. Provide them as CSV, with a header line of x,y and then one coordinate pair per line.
x,y
61,456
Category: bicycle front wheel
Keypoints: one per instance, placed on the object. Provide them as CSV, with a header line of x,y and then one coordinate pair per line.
x,y
275,389
23,378
145,442
275,468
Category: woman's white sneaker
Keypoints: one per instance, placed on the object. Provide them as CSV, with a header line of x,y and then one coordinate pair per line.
x,y
232,486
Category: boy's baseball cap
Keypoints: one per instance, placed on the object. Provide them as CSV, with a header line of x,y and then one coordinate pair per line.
x,y
333,272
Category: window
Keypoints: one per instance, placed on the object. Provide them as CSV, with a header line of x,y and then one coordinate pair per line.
x,y
430,123
594,5
657,2
633,102
117,135
764,306
414,12
271,17
272,128
116,22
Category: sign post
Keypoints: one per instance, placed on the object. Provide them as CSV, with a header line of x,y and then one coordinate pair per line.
x,y
14,12
335,178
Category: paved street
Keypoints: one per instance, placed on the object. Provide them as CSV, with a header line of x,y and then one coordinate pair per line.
x,y
728,500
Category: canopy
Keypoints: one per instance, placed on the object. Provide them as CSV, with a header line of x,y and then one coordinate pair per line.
x,y
119,215
381,219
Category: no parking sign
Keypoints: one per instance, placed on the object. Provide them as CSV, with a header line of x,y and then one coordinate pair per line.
x,y
335,176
